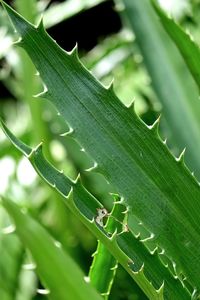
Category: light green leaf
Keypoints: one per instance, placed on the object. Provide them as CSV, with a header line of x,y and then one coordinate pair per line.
x,y
10,265
57,270
187,47
84,206
170,78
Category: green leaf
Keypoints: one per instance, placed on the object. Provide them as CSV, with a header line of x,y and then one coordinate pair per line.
x,y
10,265
154,186
187,47
57,270
171,80
84,206
103,260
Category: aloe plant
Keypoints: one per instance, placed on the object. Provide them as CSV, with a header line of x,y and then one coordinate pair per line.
x,y
157,239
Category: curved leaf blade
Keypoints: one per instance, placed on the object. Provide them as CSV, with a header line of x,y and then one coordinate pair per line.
x,y
12,254
84,206
187,47
180,104
103,259
58,271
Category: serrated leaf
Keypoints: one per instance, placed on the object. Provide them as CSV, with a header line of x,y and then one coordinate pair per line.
x,y
160,191
85,206
103,259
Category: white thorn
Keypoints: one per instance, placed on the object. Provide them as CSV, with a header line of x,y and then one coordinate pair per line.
x,y
152,252
43,291
148,238
155,124
161,288
41,94
181,155
71,130
162,252
165,141
92,168
37,73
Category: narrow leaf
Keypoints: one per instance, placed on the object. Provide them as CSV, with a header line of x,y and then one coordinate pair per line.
x,y
84,206
12,253
103,260
168,72
58,271
187,47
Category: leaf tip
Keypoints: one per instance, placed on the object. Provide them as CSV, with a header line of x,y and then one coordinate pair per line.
x,y
26,150
22,26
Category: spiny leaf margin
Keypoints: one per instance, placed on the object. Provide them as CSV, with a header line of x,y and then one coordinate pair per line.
x,y
84,207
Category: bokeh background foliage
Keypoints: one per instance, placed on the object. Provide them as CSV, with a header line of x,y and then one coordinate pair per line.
x,y
122,40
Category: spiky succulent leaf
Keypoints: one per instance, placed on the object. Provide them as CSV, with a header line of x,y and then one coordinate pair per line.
x,y
160,191
125,247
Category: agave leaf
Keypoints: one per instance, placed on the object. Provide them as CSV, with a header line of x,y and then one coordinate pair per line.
x,y
154,186
57,270
134,259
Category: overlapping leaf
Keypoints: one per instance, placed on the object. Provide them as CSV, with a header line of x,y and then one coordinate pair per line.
x,y
103,258
145,268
